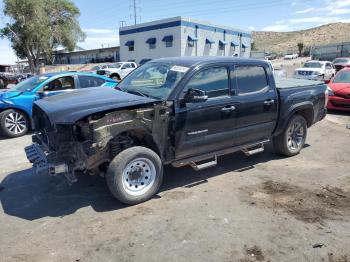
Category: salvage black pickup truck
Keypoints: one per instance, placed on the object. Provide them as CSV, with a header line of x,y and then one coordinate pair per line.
x,y
179,111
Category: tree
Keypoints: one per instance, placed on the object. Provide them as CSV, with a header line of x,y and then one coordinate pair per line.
x,y
300,48
37,27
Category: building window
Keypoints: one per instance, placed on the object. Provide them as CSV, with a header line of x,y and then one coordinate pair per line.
x,y
151,42
233,46
244,48
168,40
191,40
209,42
222,44
130,45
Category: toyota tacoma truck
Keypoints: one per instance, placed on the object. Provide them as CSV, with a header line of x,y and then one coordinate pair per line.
x,y
179,111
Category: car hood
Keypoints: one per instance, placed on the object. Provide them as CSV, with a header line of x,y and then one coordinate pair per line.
x,y
309,69
73,106
340,88
6,94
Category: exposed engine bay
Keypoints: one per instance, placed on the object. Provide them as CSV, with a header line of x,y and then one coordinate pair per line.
x,y
92,142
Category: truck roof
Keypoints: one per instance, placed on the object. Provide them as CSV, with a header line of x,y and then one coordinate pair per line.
x,y
191,61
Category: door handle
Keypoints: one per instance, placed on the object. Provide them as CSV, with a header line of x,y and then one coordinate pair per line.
x,y
228,109
269,102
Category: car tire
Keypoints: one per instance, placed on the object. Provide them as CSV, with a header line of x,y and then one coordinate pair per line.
x,y
116,77
135,175
13,123
292,139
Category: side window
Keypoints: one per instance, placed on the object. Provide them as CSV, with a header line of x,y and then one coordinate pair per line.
x,y
126,66
90,81
132,65
62,83
328,66
214,81
250,79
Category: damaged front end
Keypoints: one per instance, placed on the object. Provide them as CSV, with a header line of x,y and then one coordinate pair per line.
x,y
89,144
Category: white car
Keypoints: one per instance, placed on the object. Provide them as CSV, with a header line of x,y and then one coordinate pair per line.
x,y
117,71
315,70
291,56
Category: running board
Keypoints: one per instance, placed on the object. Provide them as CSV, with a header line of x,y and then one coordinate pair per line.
x,y
253,150
205,165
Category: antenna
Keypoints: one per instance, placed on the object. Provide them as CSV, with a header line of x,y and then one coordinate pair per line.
x,y
135,9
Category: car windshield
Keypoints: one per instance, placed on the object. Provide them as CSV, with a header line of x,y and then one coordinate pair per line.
x,y
29,84
313,65
96,68
341,60
342,77
117,65
155,80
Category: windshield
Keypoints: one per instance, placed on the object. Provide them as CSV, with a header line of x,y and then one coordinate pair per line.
x,y
313,65
117,65
341,60
153,79
342,77
29,84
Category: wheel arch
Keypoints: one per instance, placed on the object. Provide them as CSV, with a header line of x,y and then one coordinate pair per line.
x,y
141,137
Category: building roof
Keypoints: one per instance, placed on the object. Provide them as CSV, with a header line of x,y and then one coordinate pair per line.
x,y
191,61
177,21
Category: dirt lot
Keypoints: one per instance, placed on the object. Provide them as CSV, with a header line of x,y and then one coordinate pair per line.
x,y
262,208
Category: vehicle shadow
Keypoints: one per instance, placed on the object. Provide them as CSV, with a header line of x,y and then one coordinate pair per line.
x,y
29,196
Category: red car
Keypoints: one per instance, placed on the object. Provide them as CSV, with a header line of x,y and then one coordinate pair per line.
x,y
339,91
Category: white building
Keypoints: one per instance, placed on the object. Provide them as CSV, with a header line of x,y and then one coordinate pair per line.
x,y
180,36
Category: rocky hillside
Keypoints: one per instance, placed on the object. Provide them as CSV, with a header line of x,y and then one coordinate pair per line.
x,y
287,41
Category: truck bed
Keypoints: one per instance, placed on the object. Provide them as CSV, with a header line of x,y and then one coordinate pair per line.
x,y
293,82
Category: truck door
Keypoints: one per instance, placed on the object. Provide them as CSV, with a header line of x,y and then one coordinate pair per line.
x,y
208,125
256,103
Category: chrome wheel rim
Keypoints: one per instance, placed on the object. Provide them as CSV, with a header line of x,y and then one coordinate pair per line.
x,y
139,176
15,123
295,136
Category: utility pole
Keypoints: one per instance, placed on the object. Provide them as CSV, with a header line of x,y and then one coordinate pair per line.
x,y
134,10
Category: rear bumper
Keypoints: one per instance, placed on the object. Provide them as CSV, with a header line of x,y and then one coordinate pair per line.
x,y
338,103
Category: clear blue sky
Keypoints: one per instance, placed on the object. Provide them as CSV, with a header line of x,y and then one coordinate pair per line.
x,y
101,19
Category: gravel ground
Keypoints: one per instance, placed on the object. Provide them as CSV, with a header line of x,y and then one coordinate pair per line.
x,y
259,208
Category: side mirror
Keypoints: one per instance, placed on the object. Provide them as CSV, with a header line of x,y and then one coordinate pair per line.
x,y
42,94
195,96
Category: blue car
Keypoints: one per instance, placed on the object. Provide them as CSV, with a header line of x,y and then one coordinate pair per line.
x,y
16,103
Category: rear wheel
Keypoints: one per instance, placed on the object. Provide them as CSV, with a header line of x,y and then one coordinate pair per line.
x,y
135,175
292,139
13,123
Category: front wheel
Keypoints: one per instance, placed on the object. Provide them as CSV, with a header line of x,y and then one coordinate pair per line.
x,y
292,139
13,123
135,175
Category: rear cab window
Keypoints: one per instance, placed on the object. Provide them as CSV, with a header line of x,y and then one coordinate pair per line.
x,y
250,79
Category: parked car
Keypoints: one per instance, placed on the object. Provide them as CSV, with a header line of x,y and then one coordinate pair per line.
x,y
118,71
94,69
291,56
179,111
315,70
339,91
270,56
341,62
16,103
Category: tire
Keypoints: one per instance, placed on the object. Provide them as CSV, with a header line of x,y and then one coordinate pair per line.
x,y
13,123
135,175
292,139
116,77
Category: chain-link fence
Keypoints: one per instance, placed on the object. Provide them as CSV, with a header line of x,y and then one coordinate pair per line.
x,y
330,52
